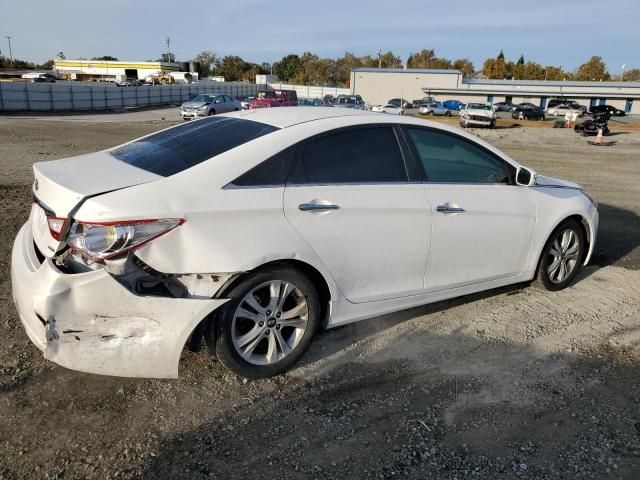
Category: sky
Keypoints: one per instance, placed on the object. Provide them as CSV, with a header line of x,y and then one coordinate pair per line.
x,y
552,32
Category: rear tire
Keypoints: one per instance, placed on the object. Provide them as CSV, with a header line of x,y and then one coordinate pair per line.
x,y
447,114
562,256
253,335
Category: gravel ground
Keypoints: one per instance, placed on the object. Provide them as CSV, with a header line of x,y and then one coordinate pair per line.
x,y
511,383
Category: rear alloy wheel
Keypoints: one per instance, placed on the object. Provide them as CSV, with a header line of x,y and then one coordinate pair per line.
x,y
268,323
562,256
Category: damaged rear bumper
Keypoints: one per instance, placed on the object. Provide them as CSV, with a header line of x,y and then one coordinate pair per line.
x,y
91,323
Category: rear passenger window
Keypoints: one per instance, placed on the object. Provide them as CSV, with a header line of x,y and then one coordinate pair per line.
x,y
447,158
360,155
270,173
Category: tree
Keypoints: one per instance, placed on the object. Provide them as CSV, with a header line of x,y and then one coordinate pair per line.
x,y
231,67
593,69
107,58
207,60
554,73
495,68
528,71
167,58
632,75
343,67
426,58
465,66
500,55
287,68
520,60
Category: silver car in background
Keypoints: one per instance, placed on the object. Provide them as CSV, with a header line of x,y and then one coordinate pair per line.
x,y
208,104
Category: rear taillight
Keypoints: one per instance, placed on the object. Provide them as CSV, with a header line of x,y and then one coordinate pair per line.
x,y
102,240
56,226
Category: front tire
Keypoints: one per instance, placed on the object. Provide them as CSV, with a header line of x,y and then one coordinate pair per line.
x,y
562,256
268,324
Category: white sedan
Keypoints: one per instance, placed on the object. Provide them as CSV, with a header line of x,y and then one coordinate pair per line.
x,y
255,229
388,108
562,110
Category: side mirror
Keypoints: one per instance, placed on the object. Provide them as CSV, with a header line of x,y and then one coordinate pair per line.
x,y
525,177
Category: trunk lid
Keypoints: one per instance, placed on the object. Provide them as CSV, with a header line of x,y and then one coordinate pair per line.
x,y
60,185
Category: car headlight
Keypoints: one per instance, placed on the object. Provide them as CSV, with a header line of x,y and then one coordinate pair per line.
x,y
204,107
99,241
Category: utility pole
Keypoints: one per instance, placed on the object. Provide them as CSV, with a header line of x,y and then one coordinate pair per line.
x,y
622,74
379,58
168,40
10,53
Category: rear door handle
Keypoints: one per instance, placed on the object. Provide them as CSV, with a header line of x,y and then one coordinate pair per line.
x,y
317,207
446,208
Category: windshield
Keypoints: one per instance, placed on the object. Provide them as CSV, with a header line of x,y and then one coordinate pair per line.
x,y
345,100
179,148
479,106
266,94
203,98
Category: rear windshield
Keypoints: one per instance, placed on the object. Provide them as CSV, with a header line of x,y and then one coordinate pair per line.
x,y
171,151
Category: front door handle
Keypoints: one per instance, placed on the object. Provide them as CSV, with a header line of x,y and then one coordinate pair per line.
x,y
448,208
317,207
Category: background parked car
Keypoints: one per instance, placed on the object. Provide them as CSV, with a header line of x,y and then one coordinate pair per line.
x,y
400,103
348,101
205,105
328,99
244,103
129,82
610,109
478,114
527,105
440,109
556,102
528,113
388,108
310,102
563,109
453,104
504,106
423,101
427,107
274,98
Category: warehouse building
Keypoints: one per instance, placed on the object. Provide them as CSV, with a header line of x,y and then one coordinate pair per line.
x,y
115,71
377,86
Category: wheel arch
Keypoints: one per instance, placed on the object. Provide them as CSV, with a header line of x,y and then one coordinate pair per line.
x,y
587,229
207,327
317,278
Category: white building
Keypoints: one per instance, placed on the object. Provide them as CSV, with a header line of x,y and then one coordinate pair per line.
x,y
377,86
102,70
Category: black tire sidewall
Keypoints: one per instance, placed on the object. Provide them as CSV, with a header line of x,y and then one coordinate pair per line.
x,y
543,276
224,349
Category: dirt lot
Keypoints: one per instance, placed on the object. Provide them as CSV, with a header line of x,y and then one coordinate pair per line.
x,y
512,383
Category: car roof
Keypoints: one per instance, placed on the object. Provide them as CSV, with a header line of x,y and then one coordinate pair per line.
x,y
284,117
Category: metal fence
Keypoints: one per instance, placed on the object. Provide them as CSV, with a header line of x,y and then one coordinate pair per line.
x,y
24,96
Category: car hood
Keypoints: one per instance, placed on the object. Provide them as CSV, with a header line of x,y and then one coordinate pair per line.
x,y
479,113
543,181
194,104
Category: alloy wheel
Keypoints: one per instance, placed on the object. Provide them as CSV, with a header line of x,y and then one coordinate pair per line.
x,y
269,322
563,255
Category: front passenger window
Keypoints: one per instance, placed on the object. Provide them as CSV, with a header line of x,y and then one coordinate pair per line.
x,y
447,158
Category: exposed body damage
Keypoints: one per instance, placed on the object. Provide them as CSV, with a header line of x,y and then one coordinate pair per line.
x,y
92,322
